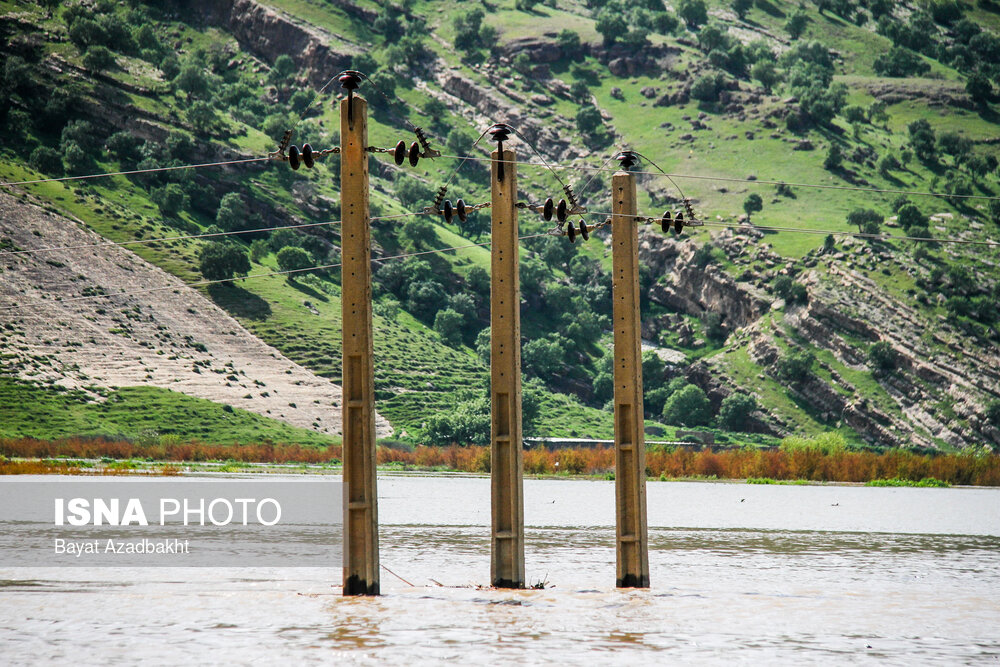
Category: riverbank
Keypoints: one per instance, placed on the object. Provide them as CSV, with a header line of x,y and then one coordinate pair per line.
x,y
142,467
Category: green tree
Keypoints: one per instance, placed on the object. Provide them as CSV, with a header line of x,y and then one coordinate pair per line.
x,y
170,199
411,192
588,120
741,7
611,26
192,80
882,357
448,324
795,366
222,261
202,116
425,298
992,412
910,216
922,141
687,407
706,87
766,73
796,24
542,358
694,13
478,280
418,232
834,158
979,88
293,258
232,212
752,204
899,61
98,59
467,29
282,71
259,249
569,42
46,160
867,220
735,411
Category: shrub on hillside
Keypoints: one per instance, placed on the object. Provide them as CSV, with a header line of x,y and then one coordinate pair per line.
x,y
688,407
222,261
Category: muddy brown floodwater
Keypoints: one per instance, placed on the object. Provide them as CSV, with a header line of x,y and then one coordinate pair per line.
x,y
745,573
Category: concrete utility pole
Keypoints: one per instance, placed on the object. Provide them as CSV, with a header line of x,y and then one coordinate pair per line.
x,y
361,563
507,546
632,542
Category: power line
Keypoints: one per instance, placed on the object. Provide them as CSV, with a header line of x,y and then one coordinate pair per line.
x,y
4,253
550,167
803,230
136,171
727,179
203,283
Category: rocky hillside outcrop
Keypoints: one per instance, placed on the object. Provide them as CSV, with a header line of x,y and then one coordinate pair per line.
x,y
936,391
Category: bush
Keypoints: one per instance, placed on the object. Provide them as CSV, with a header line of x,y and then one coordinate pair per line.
x,y
76,160
706,88
910,216
569,43
834,158
741,7
922,140
231,213
735,411
789,290
900,62
542,358
222,261
796,24
293,258
170,199
825,443
46,160
795,366
752,204
694,13
687,407
589,120
992,412
713,327
413,193
98,59
766,73
882,356
448,324
867,220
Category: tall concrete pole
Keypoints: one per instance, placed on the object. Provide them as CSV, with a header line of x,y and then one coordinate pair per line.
x,y
507,546
361,562
632,542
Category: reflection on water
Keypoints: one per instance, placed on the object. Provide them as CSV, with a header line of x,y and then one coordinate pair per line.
x,y
747,573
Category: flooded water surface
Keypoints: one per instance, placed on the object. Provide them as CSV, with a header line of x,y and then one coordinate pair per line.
x,y
747,573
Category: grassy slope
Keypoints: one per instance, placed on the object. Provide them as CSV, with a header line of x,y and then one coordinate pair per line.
x,y
407,350
30,410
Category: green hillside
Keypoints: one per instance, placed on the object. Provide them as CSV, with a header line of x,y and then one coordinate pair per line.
x,y
772,317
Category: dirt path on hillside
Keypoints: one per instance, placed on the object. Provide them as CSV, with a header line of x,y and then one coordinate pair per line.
x,y
170,338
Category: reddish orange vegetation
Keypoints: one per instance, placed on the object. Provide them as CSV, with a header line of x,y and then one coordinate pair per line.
x,y
68,468
846,466
95,448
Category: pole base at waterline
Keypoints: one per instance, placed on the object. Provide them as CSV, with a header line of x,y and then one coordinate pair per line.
x,y
357,586
633,581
